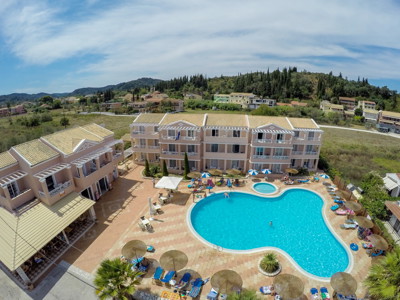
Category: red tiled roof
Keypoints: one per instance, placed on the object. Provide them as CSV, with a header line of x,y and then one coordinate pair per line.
x,y
347,99
394,208
283,104
370,102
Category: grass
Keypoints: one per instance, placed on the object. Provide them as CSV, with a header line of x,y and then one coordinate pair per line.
x,y
356,153
200,111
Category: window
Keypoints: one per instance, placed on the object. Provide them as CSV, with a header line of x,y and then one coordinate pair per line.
x,y
279,152
155,128
295,147
214,132
190,148
51,183
259,151
235,148
13,189
142,142
260,136
214,164
309,148
257,166
141,129
156,143
214,147
235,164
171,147
171,132
236,133
296,134
292,162
190,133
192,165
279,137
172,163
306,163
311,135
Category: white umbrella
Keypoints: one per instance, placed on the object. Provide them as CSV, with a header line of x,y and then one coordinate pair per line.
x,y
253,172
168,182
151,207
324,176
266,171
205,175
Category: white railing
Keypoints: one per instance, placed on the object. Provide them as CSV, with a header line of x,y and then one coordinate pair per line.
x,y
169,137
192,153
313,139
283,141
264,141
188,138
311,152
297,138
170,152
154,147
280,157
139,146
297,152
137,132
261,156
58,189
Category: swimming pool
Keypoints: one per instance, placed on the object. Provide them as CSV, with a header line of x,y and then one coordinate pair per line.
x,y
265,188
242,222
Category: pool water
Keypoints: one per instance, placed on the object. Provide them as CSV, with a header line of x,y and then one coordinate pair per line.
x,y
265,188
292,222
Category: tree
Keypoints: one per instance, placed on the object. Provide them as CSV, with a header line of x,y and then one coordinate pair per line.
x,y
269,263
146,168
164,168
115,279
46,100
383,281
64,121
186,166
244,295
358,111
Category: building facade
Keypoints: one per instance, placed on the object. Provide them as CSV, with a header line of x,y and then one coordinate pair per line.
x,y
348,103
389,121
48,188
367,105
226,141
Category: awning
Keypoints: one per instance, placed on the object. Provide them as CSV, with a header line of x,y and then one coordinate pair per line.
x,y
389,183
22,236
168,182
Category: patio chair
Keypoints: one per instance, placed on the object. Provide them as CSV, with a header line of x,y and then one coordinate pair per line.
x,y
157,274
213,294
143,227
196,288
157,207
168,276
315,294
324,293
348,226
184,281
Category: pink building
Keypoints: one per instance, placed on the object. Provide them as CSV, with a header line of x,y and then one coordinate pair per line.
x,y
48,188
226,141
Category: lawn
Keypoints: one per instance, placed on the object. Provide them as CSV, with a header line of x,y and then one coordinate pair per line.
x,y
356,153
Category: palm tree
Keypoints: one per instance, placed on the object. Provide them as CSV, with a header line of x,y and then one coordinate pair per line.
x,y
383,281
269,263
115,279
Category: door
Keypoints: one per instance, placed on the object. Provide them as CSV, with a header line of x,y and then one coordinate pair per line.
x,y
88,193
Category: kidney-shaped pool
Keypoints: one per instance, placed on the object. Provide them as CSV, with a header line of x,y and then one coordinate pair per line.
x,y
291,221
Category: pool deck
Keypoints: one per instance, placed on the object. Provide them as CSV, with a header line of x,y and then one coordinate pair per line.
x,y
118,213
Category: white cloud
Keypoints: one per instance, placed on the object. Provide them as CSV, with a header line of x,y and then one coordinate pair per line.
x,y
173,38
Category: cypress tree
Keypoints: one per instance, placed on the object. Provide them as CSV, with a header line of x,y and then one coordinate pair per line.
x,y
186,167
164,169
146,168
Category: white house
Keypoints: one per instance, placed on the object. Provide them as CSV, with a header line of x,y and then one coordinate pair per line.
x,y
392,183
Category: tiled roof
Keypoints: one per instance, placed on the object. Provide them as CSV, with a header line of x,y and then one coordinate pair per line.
x,y
35,152
98,130
371,111
394,207
369,102
390,114
149,118
242,94
196,119
303,123
226,120
6,160
347,99
66,140
257,121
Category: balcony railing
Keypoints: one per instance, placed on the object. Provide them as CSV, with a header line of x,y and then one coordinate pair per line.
x,y
137,132
313,139
188,138
165,137
170,152
192,153
57,190
264,141
280,157
297,152
139,146
261,156
154,147
311,152
116,155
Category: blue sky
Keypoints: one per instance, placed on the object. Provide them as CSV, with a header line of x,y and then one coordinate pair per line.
x,y
58,46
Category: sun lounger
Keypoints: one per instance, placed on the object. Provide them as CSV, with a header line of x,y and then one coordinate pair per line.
x,y
315,294
335,207
157,207
229,183
303,180
367,245
158,273
267,289
341,212
343,297
196,288
338,201
325,294
348,226
168,276
350,221
213,294
184,281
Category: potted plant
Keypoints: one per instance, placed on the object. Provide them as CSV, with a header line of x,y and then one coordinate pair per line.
x,y
269,265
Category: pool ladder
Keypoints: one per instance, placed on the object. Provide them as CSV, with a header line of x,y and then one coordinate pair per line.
x,y
218,248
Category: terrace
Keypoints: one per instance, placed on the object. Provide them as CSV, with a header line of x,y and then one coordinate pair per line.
x,y
120,209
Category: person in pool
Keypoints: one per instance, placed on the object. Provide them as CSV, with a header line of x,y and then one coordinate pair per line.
x,y
270,223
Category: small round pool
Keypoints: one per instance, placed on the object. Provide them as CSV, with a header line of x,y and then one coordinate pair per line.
x,y
265,188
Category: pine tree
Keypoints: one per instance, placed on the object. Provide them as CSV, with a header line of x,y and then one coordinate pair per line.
x,y
164,169
186,166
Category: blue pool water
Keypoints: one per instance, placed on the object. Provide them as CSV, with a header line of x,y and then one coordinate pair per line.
x,y
242,222
264,187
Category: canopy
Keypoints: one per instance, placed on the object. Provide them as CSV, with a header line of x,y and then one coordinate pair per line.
x,y
253,172
173,260
215,172
168,182
205,175
343,283
226,281
378,241
266,171
364,222
289,286
291,171
134,249
354,206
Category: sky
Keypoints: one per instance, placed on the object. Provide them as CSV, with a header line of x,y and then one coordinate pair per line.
x,y
58,46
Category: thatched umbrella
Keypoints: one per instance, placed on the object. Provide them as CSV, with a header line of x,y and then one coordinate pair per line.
x,y
378,241
363,222
194,274
233,172
343,283
354,206
215,172
288,286
226,281
194,175
134,249
291,171
173,260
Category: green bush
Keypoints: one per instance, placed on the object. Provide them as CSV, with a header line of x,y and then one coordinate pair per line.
x,y
269,263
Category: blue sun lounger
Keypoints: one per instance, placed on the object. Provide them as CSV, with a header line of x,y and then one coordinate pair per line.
x,y
196,288
339,201
314,293
184,281
158,273
168,276
229,183
335,207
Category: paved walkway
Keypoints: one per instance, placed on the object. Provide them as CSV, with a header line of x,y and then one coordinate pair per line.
x,y
118,213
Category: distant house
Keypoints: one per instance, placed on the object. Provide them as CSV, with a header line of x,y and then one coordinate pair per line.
x,y
189,96
297,103
111,105
389,121
392,184
221,98
366,105
348,103
16,110
255,103
326,106
371,115
394,221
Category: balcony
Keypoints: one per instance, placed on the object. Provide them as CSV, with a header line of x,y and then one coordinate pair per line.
x,y
261,156
264,141
137,132
165,137
297,152
170,152
94,176
189,138
60,188
153,147
279,157
192,153
311,153
139,146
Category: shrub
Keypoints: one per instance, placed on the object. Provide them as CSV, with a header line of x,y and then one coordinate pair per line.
x,y
269,263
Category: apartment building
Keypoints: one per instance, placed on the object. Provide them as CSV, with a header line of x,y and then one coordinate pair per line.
x,y
348,103
389,121
367,105
371,115
226,141
16,110
48,189
255,103
327,106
